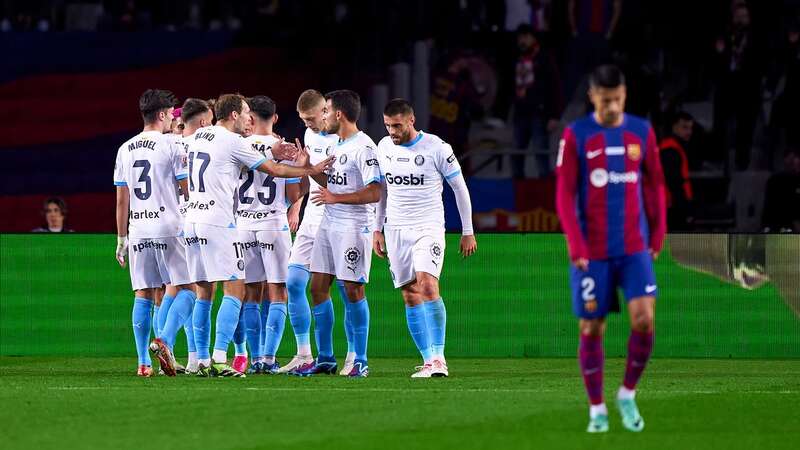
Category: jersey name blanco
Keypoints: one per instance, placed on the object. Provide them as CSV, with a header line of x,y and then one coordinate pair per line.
x,y
149,165
354,168
414,174
216,158
320,146
262,197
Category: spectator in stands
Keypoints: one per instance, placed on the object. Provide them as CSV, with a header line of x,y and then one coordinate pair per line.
x,y
592,24
739,69
55,216
782,197
537,102
787,67
675,163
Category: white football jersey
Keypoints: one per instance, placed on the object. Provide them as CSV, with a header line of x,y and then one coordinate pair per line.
x,y
216,158
183,143
414,174
354,168
149,165
262,197
320,145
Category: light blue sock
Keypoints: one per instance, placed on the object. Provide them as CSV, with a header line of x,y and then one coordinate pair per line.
x,y
227,321
201,322
299,310
163,312
348,322
263,313
359,316
418,327
240,335
141,322
436,317
276,322
323,328
252,323
188,328
154,320
179,310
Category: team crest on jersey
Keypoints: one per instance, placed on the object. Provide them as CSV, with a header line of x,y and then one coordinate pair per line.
x,y
634,152
342,159
328,151
436,250
419,160
240,264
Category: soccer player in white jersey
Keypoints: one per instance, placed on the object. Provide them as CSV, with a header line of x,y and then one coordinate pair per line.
x,y
148,169
414,165
342,247
216,157
266,241
320,144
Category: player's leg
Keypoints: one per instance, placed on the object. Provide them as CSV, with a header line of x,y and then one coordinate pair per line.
x,y
297,278
275,324
352,261
158,298
178,314
249,327
358,309
239,341
167,294
418,327
145,277
428,258
274,309
141,321
348,330
201,325
252,323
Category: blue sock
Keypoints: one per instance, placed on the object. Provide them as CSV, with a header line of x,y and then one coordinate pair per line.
x,y
201,322
276,322
154,321
359,316
227,320
163,312
188,328
436,317
240,335
141,322
179,311
348,322
252,322
323,328
263,313
299,310
418,327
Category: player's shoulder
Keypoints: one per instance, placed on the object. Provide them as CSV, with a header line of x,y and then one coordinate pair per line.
x,y
386,143
261,139
582,125
364,143
434,144
637,124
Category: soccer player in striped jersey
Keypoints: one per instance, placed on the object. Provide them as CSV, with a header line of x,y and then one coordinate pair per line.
x,y
610,201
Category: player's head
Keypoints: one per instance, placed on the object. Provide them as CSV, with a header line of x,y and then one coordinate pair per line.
x,y
340,106
607,94
262,108
177,123
310,108
156,106
233,113
682,124
398,118
196,113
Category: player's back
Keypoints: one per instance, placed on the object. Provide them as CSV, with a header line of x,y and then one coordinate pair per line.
x,y
414,174
354,168
320,146
149,165
609,163
216,157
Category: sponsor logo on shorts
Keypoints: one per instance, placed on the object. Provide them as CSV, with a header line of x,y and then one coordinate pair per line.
x,y
407,180
196,240
351,257
145,214
419,160
141,246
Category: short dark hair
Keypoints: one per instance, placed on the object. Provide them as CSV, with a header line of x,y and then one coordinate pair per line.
x,y
154,101
398,106
262,106
681,115
58,201
192,108
227,104
607,76
346,101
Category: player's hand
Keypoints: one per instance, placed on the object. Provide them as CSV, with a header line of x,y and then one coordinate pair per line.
x,y
323,197
379,244
468,245
323,166
582,264
284,151
294,219
122,250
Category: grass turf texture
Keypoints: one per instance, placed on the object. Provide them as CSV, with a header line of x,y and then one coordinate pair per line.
x,y
88,403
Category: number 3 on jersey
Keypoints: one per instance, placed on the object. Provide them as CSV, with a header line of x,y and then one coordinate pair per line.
x,y
269,183
144,177
206,158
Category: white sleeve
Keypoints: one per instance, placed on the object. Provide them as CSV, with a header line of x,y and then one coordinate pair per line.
x,y
463,202
119,171
368,166
380,209
245,155
446,162
180,165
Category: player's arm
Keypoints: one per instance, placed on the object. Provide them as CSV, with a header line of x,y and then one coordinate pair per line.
x,y
655,203
123,207
294,195
184,185
320,178
371,193
566,198
464,206
378,241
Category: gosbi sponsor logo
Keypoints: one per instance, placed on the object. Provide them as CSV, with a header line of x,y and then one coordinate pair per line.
x,y
196,240
601,177
405,180
337,178
139,246
145,214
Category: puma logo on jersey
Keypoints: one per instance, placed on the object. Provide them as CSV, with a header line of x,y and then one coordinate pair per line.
x,y
408,180
337,178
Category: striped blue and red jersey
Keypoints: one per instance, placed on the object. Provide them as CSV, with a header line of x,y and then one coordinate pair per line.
x,y
610,189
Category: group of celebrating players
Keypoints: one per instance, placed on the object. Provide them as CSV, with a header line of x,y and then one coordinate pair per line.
x,y
220,201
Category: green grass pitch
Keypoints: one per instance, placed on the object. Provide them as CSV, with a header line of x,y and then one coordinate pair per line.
x,y
97,403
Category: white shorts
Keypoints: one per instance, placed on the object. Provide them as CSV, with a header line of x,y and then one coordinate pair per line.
x,y
414,250
266,255
303,243
213,253
157,261
345,254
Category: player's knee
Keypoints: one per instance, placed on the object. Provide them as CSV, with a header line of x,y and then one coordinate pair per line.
x,y
643,321
429,289
295,285
354,291
592,327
